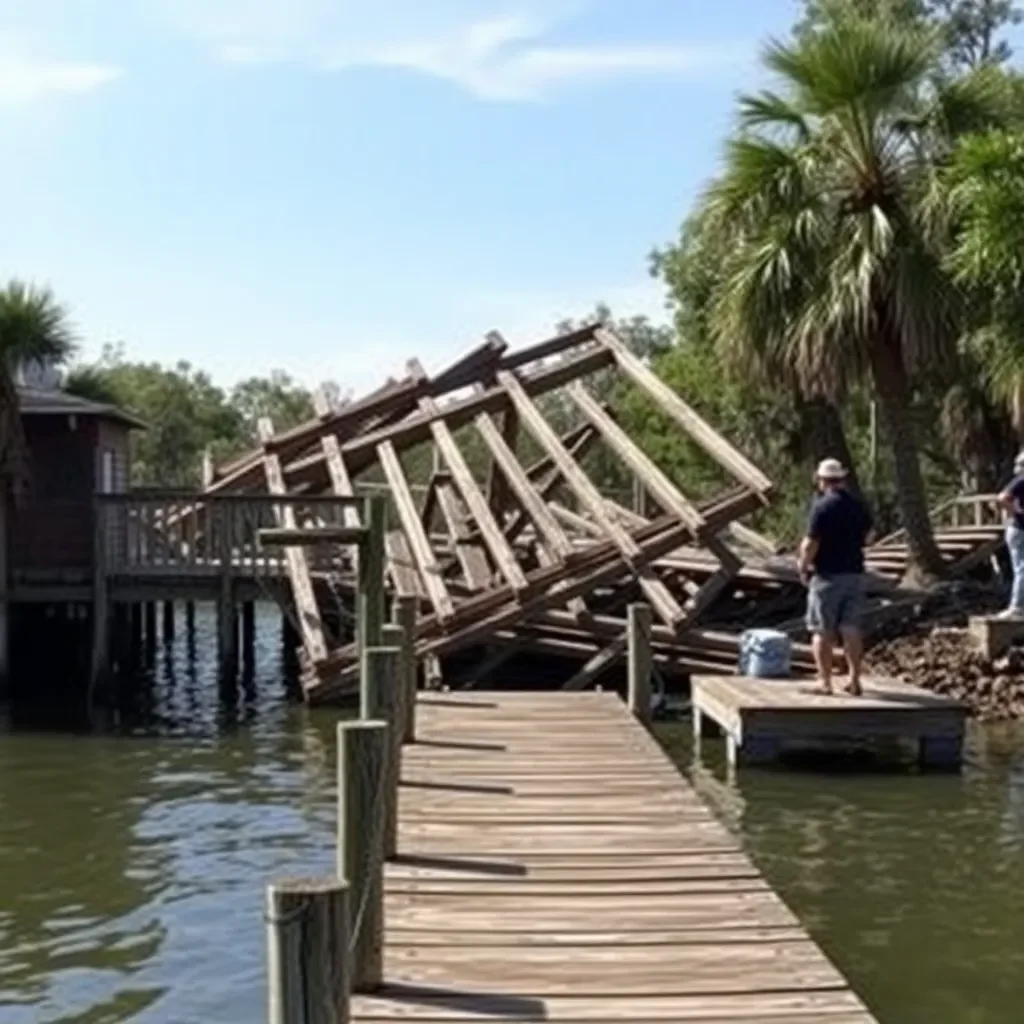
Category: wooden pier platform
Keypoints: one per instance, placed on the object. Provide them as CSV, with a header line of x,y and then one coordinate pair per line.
x,y
554,866
760,717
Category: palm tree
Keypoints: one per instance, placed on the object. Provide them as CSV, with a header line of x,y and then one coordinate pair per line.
x,y
828,202
34,328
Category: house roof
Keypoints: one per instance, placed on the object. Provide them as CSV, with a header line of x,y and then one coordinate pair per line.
x,y
38,402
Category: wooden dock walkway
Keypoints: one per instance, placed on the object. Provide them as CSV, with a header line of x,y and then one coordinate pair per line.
x,y
554,866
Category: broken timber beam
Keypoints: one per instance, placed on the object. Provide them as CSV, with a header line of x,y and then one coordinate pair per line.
x,y
310,623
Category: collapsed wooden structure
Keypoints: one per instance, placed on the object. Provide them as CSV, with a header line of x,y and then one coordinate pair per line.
x,y
520,552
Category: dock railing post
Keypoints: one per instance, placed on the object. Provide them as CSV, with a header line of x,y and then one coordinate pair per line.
x,y
379,693
640,662
308,958
360,856
405,617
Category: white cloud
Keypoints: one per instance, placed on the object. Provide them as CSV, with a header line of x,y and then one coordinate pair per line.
x,y
494,54
25,78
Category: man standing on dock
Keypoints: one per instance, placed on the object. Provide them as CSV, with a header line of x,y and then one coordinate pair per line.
x,y
1012,499
831,563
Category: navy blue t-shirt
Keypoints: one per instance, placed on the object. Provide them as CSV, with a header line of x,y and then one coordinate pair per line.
x,y
1016,491
840,523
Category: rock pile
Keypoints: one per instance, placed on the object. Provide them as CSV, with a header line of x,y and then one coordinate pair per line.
x,y
931,649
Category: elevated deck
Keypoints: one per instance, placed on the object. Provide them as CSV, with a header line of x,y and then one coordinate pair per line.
x,y
554,866
760,717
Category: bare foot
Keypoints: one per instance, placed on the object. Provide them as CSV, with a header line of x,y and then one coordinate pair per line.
x,y
855,689
825,689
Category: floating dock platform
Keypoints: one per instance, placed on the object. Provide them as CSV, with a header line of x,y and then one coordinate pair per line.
x,y
762,717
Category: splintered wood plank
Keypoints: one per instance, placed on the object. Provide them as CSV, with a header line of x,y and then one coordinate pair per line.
x,y
553,866
416,537
403,572
310,622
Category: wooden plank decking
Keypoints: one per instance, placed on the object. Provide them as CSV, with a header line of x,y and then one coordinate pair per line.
x,y
554,866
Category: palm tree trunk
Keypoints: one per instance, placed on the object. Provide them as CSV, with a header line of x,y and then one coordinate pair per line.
x,y
822,427
894,400
13,447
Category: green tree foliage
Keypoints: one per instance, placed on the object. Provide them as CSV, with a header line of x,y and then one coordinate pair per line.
x,y
34,328
187,413
987,196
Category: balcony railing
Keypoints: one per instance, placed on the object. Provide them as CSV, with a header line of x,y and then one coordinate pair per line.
x,y
188,534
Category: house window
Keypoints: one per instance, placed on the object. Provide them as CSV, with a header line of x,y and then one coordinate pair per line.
x,y
107,472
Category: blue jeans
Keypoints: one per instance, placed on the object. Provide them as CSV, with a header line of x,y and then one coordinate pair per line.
x,y
1015,545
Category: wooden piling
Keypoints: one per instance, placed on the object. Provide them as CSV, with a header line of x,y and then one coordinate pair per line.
x,y
135,637
405,619
190,619
149,611
99,668
308,979
167,630
249,635
638,639
362,754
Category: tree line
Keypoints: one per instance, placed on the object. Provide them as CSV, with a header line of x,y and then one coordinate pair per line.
x,y
850,283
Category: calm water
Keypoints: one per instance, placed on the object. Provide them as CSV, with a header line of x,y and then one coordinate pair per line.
x,y
132,864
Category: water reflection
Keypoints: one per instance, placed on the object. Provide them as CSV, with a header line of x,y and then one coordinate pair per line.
x,y
133,859
913,884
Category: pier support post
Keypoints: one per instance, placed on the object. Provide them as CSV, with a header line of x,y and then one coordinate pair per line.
x,y
362,752
135,638
249,634
5,636
638,638
308,977
941,753
405,619
167,631
149,609
190,619
395,687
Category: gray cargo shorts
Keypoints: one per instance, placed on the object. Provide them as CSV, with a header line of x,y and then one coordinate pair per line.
x,y
835,603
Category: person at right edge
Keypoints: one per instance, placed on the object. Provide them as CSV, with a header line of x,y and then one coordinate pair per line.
x,y
831,564
1012,499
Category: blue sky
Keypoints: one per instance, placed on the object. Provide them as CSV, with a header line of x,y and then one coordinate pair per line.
x,y
333,186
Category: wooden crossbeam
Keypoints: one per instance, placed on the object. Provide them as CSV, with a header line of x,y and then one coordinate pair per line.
x,y
499,548
419,544
471,558
310,623
661,598
695,426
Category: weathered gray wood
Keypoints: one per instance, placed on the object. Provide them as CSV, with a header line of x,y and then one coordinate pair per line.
x,y
167,625
470,555
702,433
370,608
388,666
595,665
308,959
638,652
669,609
419,543
295,557
405,619
362,756
476,503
